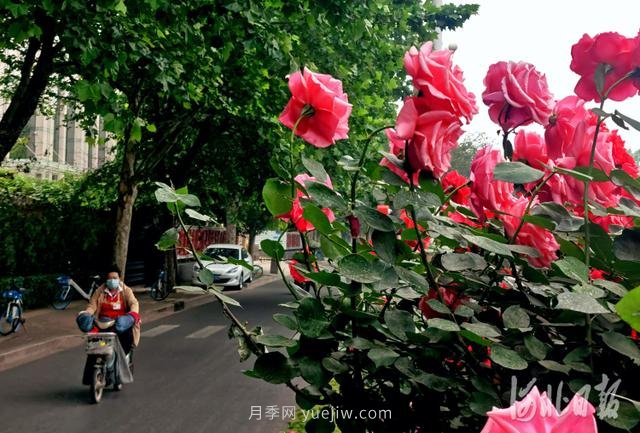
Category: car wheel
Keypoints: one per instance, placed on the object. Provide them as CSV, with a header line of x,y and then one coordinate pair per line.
x,y
241,283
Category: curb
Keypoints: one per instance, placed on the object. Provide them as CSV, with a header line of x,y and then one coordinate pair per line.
x,y
35,351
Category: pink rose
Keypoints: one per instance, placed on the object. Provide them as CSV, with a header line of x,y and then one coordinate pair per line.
x,y
619,53
531,148
517,94
487,193
567,113
397,148
430,136
530,235
537,414
295,215
439,81
320,106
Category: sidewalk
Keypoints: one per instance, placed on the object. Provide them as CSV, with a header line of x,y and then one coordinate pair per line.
x,y
48,331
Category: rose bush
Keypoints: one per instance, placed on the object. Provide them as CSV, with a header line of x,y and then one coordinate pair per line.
x,y
442,297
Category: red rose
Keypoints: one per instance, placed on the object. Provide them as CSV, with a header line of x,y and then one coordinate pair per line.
x,y
295,215
295,274
517,94
430,136
439,81
319,105
531,235
618,53
449,296
487,193
453,180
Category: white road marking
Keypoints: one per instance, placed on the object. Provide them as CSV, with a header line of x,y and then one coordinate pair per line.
x,y
207,331
158,330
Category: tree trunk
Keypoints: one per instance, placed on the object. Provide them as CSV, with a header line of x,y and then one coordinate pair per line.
x,y
171,266
32,84
127,193
232,235
252,240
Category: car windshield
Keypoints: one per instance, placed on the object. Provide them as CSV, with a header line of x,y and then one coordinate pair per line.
x,y
222,253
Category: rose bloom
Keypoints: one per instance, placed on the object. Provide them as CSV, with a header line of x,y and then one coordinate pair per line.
x,y
567,113
295,214
295,274
618,52
397,148
320,106
536,413
408,222
517,94
487,193
531,235
430,136
439,81
530,148
453,180
450,297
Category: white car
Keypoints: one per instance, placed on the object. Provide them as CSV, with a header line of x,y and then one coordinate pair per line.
x,y
225,274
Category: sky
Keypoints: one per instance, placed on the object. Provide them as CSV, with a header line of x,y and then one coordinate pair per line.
x,y
540,32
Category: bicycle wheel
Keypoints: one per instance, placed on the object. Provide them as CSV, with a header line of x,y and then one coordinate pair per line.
x,y
159,290
9,317
257,271
62,298
98,382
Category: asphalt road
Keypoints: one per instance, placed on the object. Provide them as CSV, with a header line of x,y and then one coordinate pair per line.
x,y
187,379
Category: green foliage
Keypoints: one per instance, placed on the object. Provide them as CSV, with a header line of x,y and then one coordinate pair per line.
x,y
44,224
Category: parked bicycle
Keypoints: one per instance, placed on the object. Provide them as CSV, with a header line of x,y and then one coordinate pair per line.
x,y
64,294
159,290
257,272
11,309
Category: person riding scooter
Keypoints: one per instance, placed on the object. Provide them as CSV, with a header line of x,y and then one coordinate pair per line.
x,y
114,300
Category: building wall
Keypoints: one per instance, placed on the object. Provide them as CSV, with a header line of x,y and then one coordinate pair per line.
x,y
57,145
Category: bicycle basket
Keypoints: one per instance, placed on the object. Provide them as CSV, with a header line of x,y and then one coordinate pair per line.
x,y
12,294
63,279
100,344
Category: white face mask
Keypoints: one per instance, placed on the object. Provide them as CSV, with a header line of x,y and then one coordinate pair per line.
x,y
113,283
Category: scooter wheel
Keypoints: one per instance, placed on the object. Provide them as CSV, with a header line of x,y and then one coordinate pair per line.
x,y
97,385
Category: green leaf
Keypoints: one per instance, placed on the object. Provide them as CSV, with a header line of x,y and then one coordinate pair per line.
x,y
315,216
316,169
357,268
384,244
580,302
438,306
460,262
516,172
622,344
205,276
311,317
166,195
382,357
622,178
489,245
632,122
275,341
168,240
416,199
482,329
583,177
325,196
555,366
443,324
273,367
334,366
286,320
311,371
613,287
628,308
627,416
399,323
273,249
627,245
464,311
507,358
374,219
414,279
197,215
564,220
536,348
436,383
224,298
573,268
277,197
515,317
189,200
540,221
